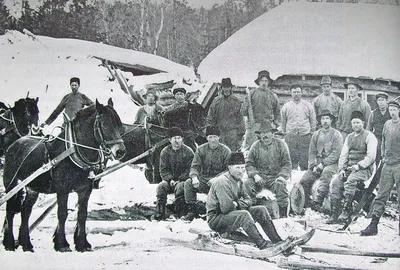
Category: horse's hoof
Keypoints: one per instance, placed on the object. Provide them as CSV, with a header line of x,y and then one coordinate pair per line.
x,y
64,249
9,248
85,249
28,250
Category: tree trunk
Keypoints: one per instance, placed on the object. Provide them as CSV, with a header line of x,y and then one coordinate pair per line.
x,y
157,37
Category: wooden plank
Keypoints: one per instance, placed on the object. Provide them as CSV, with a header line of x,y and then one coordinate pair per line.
x,y
342,251
286,264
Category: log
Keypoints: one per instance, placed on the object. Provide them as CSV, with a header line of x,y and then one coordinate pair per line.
x,y
286,264
342,251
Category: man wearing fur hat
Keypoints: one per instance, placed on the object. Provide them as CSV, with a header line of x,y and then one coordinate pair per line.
x,y
150,111
264,105
328,99
268,166
391,169
356,165
225,112
298,123
377,120
180,99
71,103
230,208
353,103
175,160
325,146
210,159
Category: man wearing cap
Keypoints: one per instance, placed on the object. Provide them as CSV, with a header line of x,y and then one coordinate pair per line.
x,y
230,208
353,103
150,111
71,103
356,165
175,160
268,166
391,169
210,159
298,123
328,99
264,105
225,112
180,99
325,146
377,120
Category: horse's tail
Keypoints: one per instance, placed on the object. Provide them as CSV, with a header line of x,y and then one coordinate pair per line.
x,y
14,204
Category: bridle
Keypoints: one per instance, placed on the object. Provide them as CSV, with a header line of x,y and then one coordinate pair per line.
x,y
98,134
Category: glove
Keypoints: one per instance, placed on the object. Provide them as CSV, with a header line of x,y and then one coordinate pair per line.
x,y
257,179
195,182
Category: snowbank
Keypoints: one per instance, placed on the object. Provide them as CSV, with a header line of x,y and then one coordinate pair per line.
x,y
311,38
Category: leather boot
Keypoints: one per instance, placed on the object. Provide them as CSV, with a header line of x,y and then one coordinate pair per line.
x,y
347,209
256,237
316,206
191,213
283,211
160,214
270,230
372,228
336,208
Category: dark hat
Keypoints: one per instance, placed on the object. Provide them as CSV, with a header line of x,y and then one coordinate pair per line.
x,y
150,92
236,158
326,80
213,130
325,112
394,103
265,126
354,82
226,82
381,95
175,131
176,90
357,114
262,73
75,79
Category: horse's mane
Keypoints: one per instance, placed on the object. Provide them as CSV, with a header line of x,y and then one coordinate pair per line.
x,y
90,110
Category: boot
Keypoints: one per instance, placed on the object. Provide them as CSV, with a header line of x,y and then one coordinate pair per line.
x,y
283,211
372,228
160,215
270,230
316,206
336,208
347,210
256,237
191,213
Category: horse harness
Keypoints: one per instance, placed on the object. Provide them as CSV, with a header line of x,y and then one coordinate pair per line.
x,y
8,116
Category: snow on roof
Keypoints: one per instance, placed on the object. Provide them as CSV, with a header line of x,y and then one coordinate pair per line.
x,y
43,66
311,38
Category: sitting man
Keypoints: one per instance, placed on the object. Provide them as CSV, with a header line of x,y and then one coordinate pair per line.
x,y
356,164
229,207
325,146
210,159
268,166
175,160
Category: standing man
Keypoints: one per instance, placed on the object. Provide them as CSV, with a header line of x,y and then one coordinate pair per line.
x,y
225,112
148,112
391,169
356,165
180,99
325,146
71,103
268,166
210,159
175,160
327,100
377,120
264,105
298,123
353,103
229,207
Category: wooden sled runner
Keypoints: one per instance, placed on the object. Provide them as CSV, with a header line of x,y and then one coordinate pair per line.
x,y
212,241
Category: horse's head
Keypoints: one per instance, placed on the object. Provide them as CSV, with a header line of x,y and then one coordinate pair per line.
x,y
32,110
108,129
26,114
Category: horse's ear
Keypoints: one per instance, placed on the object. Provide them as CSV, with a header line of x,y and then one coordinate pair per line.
x,y
110,103
98,106
37,100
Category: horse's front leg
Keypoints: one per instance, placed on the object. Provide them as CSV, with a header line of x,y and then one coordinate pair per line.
x,y
81,243
60,242
24,237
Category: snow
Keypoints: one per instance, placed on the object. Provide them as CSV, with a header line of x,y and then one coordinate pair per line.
x,y
311,38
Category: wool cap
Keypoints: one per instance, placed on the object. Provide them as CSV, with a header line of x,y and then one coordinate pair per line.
x,y
75,79
358,115
213,130
236,158
151,92
176,90
353,82
175,131
325,112
382,95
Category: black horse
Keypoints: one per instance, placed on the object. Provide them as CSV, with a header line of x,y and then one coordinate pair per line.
x,y
17,121
92,135
137,138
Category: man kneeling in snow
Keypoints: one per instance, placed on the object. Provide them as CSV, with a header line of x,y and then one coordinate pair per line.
x,y
229,206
